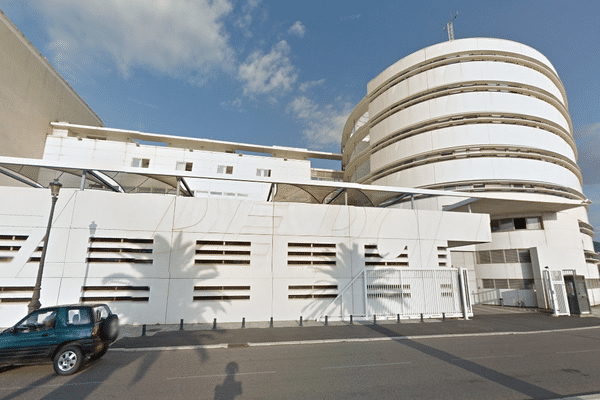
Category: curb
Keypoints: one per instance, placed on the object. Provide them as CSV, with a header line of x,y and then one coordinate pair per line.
x,y
343,340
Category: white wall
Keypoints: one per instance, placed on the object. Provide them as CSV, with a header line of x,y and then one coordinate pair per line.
x,y
176,223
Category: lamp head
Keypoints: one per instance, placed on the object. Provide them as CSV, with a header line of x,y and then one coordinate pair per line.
x,y
55,187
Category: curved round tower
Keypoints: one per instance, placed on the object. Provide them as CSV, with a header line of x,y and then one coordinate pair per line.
x,y
481,115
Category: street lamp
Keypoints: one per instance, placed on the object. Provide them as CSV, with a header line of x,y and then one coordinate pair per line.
x,y
34,304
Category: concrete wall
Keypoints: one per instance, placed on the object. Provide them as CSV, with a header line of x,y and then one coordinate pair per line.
x,y
32,94
175,224
113,155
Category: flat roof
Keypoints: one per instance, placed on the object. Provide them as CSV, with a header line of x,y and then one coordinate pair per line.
x,y
25,171
122,135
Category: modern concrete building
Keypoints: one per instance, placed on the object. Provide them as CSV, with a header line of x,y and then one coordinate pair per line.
x,y
440,203
482,116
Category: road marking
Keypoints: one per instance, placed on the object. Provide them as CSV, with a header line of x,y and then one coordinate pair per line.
x,y
483,357
352,340
55,385
366,365
167,348
222,375
576,351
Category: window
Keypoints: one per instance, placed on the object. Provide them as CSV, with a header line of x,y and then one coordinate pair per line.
x,y
225,169
263,172
140,163
533,223
520,223
503,256
38,321
184,166
511,224
78,316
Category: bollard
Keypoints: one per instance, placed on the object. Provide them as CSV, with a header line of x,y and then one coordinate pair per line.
x,y
144,330
351,322
443,317
398,318
422,320
215,323
181,324
326,323
243,322
374,319
271,323
301,320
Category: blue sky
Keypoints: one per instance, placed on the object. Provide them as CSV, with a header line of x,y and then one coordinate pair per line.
x,y
288,73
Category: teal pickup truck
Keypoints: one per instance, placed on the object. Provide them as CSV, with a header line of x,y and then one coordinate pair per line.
x,y
65,335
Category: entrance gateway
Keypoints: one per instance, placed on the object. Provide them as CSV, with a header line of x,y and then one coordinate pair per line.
x,y
409,293
577,294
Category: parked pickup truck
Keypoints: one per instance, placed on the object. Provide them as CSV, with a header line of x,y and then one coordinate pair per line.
x,y
64,335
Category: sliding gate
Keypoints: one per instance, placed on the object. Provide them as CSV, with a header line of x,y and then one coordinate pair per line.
x,y
406,292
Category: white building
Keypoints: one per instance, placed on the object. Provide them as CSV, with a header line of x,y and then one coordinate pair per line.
x,y
165,228
482,116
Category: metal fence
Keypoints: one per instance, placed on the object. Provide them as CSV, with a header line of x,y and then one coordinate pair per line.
x,y
393,292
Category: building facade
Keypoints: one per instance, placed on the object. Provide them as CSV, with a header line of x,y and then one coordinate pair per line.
x,y
482,116
459,185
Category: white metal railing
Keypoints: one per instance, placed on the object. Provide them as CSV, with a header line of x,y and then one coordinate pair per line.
x,y
393,292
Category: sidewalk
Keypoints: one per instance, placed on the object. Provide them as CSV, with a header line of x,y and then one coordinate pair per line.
x,y
487,320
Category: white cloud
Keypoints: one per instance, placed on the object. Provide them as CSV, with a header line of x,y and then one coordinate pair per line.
x,y
297,29
588,146
310,84
244,21
179,38
233,105
324,124
271,73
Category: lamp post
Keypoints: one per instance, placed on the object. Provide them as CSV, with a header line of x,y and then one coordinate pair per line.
x,y
34,304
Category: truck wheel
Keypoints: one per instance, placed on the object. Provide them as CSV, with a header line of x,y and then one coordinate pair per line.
x,y
109,330
68,360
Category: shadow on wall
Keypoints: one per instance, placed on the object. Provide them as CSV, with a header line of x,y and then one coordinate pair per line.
x,y
180,255
346,304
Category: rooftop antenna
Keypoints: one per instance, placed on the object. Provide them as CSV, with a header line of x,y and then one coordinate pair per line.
x,y
450,26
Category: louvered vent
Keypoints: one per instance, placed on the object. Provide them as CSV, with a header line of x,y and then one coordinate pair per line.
x,y
120,250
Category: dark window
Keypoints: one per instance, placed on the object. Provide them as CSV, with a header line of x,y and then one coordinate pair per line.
x,y
520,223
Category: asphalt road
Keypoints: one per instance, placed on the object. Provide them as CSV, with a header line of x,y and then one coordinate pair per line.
x,y
540,365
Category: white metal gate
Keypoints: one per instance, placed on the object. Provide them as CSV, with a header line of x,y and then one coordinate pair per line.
x,y
556,293
405,292
412,292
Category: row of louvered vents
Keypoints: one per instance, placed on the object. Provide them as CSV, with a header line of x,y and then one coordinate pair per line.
x,y
22,294
209,252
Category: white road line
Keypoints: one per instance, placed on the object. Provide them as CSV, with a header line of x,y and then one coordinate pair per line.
x,y
222,375
168,348
351,340
483,357
365,365
56,385
576,351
